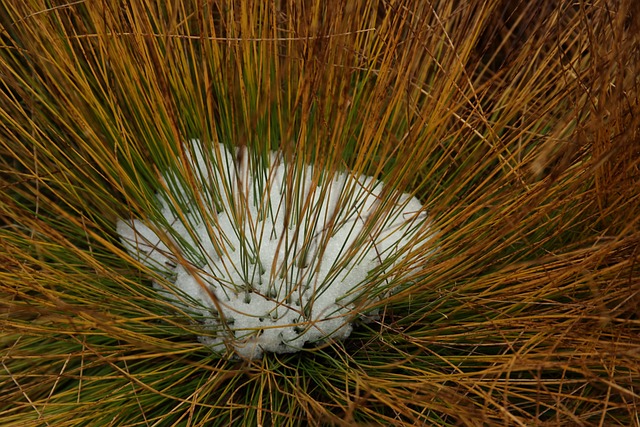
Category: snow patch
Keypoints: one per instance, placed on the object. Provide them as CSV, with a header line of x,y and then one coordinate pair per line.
x,y
273,257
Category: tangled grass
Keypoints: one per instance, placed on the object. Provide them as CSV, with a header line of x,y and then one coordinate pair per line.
x,y
514,123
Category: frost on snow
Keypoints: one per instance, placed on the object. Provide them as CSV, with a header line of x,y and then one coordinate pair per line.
x,y
270,257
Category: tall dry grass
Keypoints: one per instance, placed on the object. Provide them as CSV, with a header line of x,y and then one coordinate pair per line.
x,y
515,123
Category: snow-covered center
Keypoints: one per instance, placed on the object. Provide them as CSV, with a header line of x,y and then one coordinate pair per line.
x,y
272,255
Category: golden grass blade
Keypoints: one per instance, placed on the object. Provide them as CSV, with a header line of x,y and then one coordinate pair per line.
x,y
515,301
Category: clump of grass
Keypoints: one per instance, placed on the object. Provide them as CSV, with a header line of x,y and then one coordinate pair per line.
x,y
515,125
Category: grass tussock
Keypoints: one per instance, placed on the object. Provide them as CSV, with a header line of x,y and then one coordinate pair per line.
x,y
514,123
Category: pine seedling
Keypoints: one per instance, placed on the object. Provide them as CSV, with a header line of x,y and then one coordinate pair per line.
x,y
318,213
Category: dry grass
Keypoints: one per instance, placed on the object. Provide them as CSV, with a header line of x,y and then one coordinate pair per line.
x,y
516,124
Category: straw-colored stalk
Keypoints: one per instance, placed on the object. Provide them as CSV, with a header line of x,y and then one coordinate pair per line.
x,y
512,125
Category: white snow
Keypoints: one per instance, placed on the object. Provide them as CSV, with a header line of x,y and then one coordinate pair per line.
x,y
273,257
